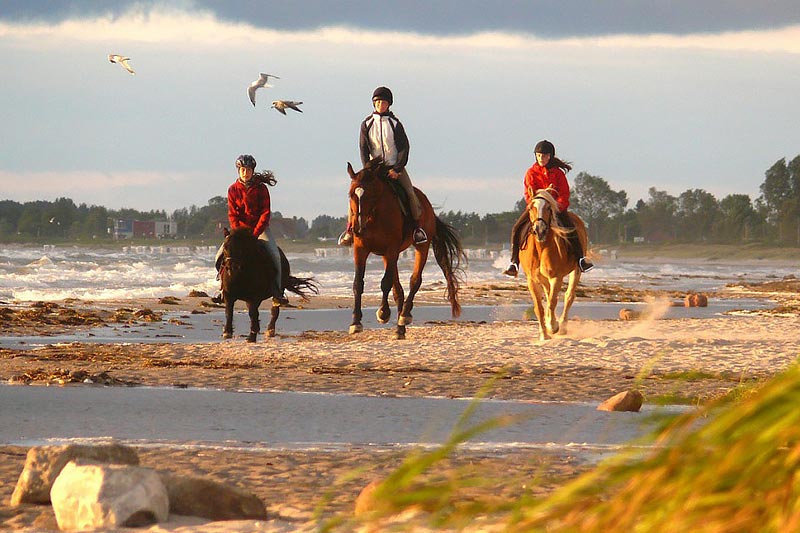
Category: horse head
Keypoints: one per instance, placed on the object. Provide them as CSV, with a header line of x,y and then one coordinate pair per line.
x,y
366,187
238,246
542,211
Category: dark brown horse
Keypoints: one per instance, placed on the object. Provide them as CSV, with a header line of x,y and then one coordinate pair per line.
x,y
546,259
247,273
381,228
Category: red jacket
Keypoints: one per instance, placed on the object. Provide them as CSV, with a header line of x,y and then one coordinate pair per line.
x,y
249,206
538,177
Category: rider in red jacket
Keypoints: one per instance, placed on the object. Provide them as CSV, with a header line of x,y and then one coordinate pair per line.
x,y
547,171
249,206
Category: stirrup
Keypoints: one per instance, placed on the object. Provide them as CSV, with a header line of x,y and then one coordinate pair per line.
x,y
420,236
511,270
585,265
345,239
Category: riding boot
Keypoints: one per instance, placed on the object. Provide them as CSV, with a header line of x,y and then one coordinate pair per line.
x,y
419,234
577,250
346,238
516,237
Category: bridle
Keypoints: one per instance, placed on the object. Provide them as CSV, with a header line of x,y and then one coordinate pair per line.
x,y
540,227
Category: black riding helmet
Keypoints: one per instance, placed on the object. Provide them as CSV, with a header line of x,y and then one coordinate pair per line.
x,y
246,160
545,147
383,93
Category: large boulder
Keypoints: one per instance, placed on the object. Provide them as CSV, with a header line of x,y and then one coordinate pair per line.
x,y
44,463
624,401
98,496
366,502
192,496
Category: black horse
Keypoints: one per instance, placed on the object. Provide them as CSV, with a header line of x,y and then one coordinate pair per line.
x,y
247,274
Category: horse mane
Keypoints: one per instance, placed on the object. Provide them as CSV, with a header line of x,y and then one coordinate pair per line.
x,y
555,223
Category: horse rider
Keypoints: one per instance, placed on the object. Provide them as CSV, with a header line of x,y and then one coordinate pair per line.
x,y
249,205
548,171
383,136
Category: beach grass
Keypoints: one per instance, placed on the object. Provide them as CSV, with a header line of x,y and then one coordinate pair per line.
x,y
728,466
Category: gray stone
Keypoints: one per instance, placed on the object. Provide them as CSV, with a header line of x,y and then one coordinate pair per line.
x,y
193,496
44,463
97,496
624,401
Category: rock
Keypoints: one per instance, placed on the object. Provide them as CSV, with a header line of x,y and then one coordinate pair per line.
x,y
365,502
695,300
191,496
624,401
44,463
629,314
96,496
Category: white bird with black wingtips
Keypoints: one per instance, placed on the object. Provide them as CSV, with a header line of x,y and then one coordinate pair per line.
x,y
121,60
259,83
281,105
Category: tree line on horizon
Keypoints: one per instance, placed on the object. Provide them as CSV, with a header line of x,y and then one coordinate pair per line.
x,y
694,216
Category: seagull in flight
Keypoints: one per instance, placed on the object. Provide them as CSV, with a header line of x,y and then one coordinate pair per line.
x,y
260,82
121,60
281,105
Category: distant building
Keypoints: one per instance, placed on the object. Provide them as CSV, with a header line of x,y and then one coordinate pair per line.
x,y
145,229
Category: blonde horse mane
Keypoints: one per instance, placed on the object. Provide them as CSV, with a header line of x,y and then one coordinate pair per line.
x,y
555,223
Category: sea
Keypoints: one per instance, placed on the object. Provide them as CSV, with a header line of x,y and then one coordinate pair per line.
x,y
52,273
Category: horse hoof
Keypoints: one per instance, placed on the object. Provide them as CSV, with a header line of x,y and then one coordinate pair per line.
x,y
399,335
251,337
227,334
356,328
383,318
404,320
270,333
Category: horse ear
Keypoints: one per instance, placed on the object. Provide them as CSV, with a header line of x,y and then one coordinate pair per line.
x,y
351,171
226,232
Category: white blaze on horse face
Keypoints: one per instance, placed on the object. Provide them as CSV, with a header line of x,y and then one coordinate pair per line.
x,y
359,192
541,216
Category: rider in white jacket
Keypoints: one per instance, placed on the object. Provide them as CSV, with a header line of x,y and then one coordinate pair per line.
x,y
383,136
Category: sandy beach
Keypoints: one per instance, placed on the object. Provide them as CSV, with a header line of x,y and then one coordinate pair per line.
x,y
669,360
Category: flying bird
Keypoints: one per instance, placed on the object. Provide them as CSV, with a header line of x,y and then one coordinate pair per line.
x,y
281,105
260,82
121,60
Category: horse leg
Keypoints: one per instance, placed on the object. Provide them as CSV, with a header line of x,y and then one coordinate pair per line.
x,y
275,311
569,297
255,326
227,330
360,260
389,274
552,301
535,288
397,292
420,258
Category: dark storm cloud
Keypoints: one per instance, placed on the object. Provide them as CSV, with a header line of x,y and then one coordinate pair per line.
x,y
547,18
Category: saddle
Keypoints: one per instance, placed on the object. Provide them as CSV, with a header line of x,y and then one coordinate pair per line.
x,y
405,207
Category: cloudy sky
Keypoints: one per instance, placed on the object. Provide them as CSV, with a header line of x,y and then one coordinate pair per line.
x,y
674,95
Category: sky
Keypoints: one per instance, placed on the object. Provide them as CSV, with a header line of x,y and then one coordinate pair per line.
x,y
673,95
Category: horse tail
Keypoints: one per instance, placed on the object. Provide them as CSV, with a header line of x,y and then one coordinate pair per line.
x,y
303,287
449,254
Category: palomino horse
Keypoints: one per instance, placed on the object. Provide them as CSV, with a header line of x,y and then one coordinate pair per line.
x,y
380,228
247,274
546,259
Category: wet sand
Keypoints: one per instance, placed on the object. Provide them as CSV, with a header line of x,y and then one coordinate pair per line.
x,y
666,359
